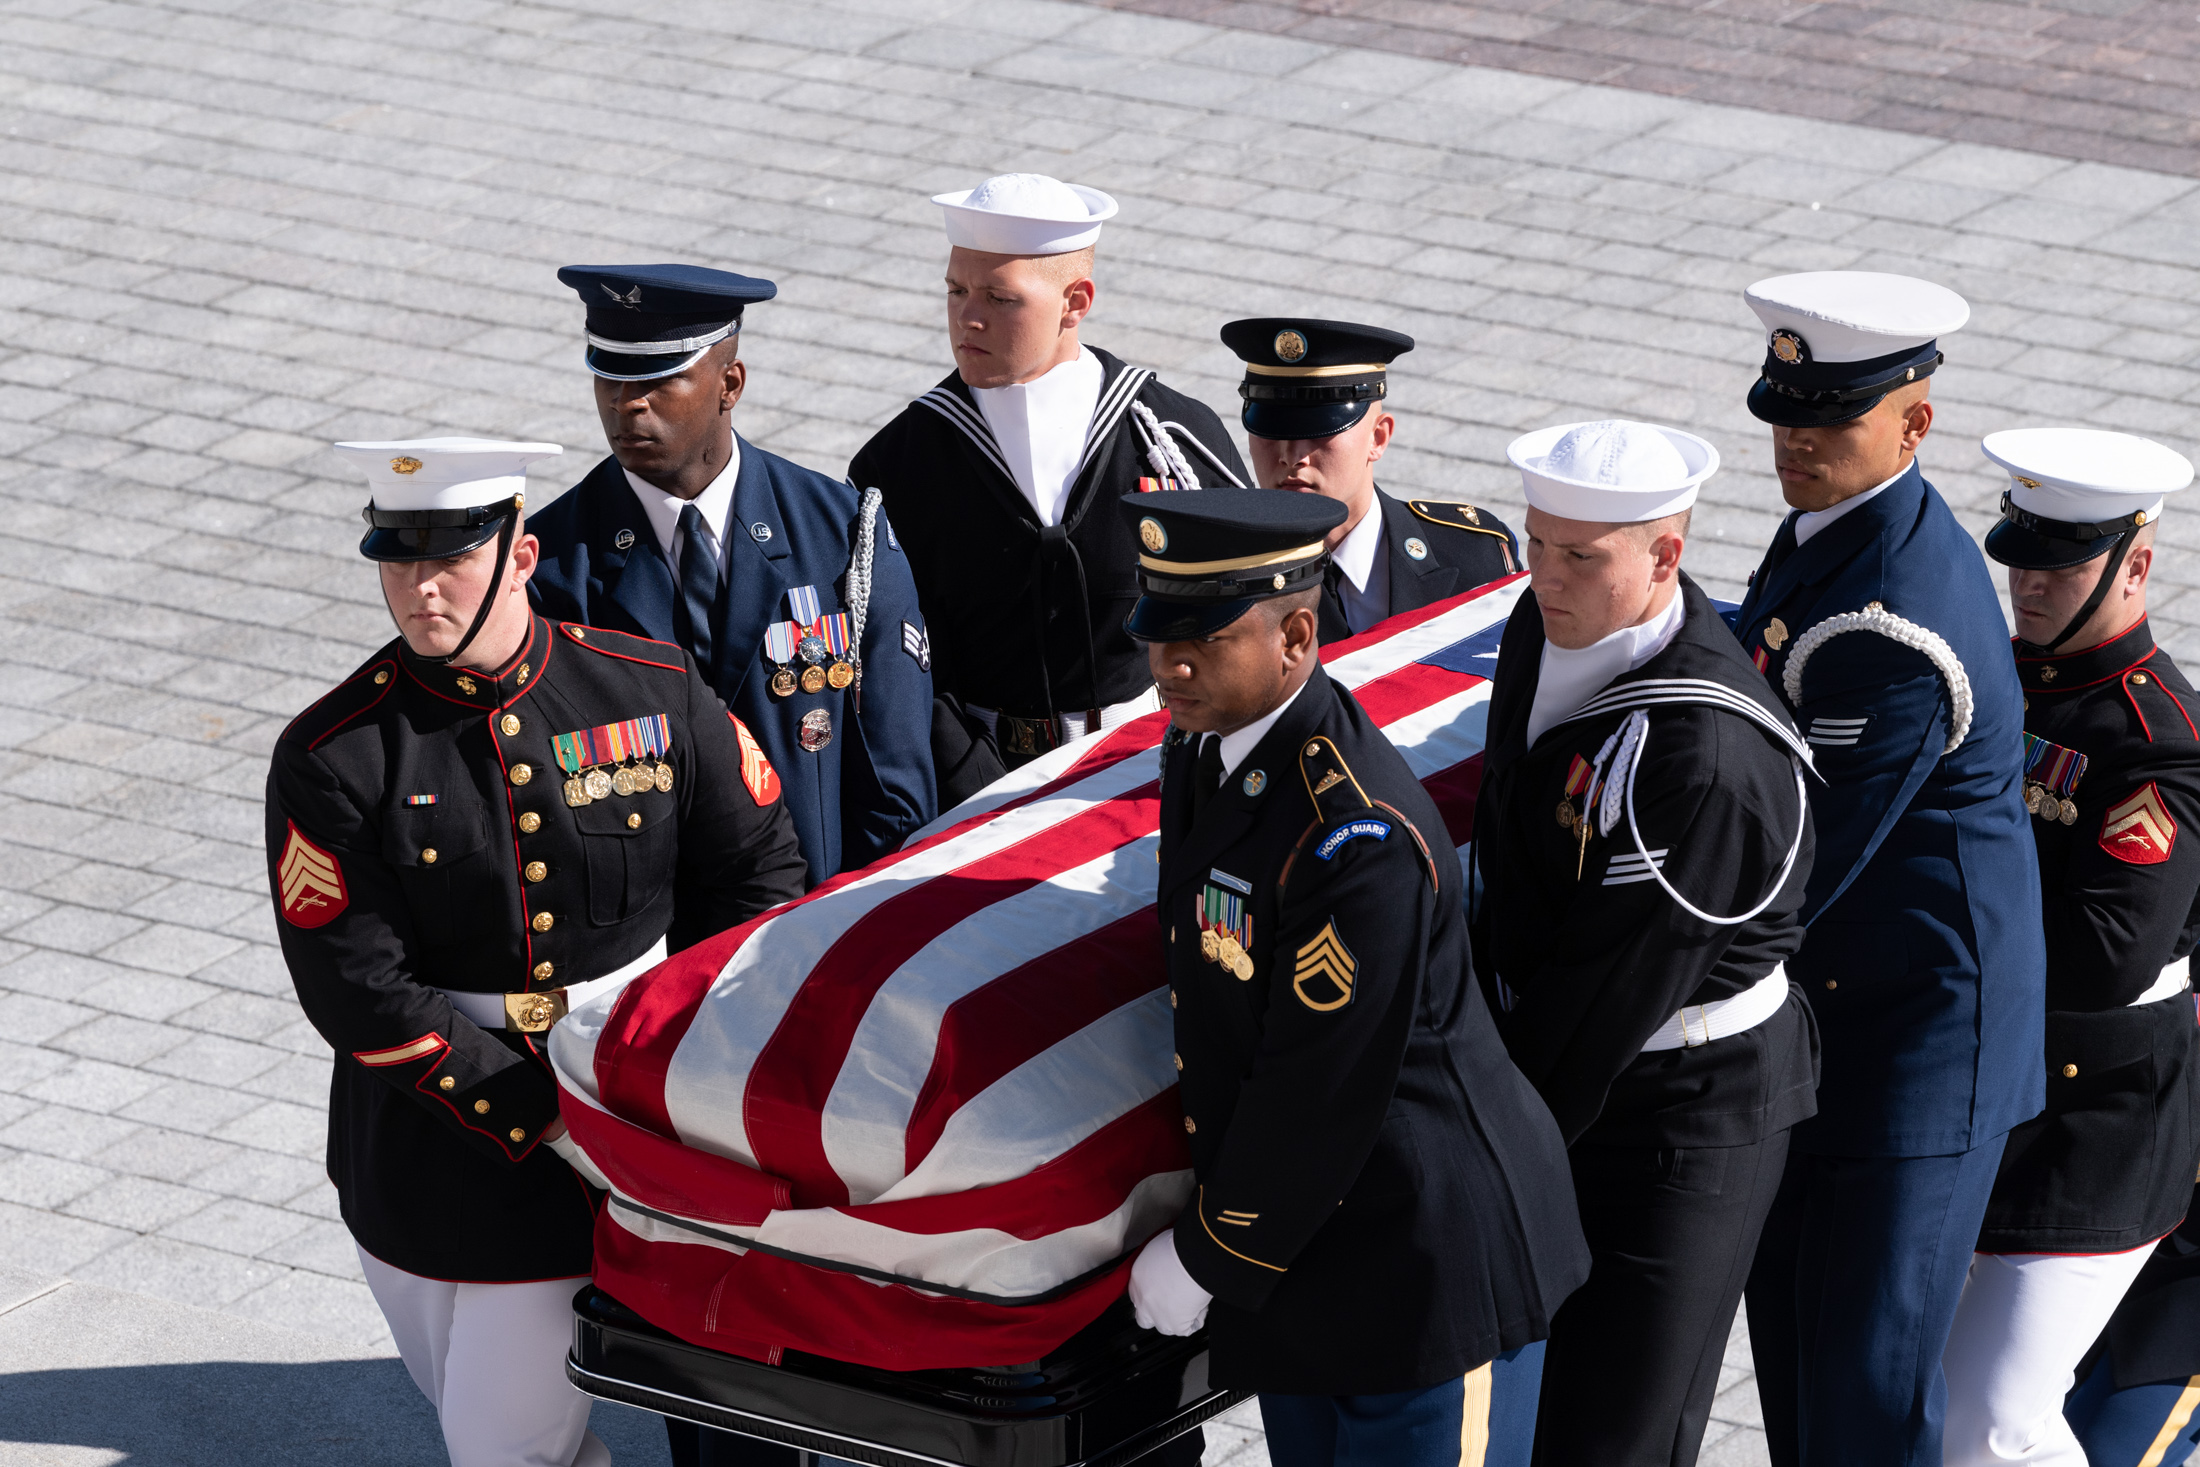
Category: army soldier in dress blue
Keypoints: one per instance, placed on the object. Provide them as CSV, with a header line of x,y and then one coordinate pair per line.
x,y
2112,769
494,816
2139,1400
789,589
1382,1204
1634,947
1316,420
1875,622
1003,481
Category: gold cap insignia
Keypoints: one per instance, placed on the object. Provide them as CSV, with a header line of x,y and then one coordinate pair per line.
x,y
2027,483
1788,347
1290,345
1152,536
404,465
2048,674
1776,634
1277,580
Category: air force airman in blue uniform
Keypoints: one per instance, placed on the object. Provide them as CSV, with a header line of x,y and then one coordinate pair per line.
x,y
788,588
1875,620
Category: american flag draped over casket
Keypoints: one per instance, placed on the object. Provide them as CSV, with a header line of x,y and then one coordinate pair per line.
x,y
923,1117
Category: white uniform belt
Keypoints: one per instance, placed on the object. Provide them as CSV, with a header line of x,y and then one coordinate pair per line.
x,y
1700,1023
487,1009
2175,979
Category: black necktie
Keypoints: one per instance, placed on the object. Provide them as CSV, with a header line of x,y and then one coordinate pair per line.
x,y
698,584
1334,626
1206,774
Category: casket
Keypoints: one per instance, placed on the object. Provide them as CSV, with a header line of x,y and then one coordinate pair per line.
x,y
880,1141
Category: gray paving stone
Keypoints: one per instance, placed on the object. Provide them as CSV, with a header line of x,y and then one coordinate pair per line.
x,y
138,1204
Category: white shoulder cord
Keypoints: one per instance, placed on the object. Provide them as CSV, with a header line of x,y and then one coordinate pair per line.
x,y
1876,618
1162,455
1632,738
859,573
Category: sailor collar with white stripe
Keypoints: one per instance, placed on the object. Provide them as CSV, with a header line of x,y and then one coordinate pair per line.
x,y
953,400
1570,676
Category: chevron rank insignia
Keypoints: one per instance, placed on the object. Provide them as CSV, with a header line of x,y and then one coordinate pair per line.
x,y
311,883
756,770
2139,828
917,642
1325,971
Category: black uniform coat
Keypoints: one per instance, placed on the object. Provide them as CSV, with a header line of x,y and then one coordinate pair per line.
x,y
2109,1163
1460,547
1029,619
433,1121
1383,1203
1585,969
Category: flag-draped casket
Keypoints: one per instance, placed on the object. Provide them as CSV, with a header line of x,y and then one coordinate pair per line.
x,y
924,1117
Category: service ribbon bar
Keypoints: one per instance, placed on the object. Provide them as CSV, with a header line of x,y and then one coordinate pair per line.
x,y
614,743
2052,765
802,601
779,640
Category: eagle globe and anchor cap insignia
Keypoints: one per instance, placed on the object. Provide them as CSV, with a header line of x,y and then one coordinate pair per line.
x,y
1290,346
2139,828
1789,347
403,465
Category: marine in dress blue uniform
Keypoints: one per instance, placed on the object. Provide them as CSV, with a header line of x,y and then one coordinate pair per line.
x,y
1316,421
788,588
1875,621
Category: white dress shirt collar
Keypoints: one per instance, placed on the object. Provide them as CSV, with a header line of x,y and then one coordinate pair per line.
x,y
1570,677
1236,746
715,504
1363,559
1811,522
1041,428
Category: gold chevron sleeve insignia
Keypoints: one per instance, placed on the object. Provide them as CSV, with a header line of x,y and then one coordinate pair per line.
x,y
1325,972
311,884
398,1054
2139,828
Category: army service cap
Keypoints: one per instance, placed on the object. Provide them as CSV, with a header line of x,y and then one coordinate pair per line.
x,y
433,498
2073,492
1612,472
1025,214
1206,555
1310,379
651,321
1838,341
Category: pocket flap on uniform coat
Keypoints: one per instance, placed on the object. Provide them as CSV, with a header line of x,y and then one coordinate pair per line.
x,y
423,836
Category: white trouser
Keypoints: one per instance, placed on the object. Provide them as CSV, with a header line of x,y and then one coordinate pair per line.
x,y
2025,1321
491,1359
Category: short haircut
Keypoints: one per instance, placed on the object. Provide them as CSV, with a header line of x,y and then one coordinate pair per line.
x,y
1068,268
1278,607
1672,524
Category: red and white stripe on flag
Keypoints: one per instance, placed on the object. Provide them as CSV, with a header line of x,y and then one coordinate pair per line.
x,y
924,1116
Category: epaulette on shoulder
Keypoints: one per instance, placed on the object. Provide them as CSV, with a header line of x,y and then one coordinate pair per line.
x,y
1345,810
623,645
1453,515
2164,716
344,703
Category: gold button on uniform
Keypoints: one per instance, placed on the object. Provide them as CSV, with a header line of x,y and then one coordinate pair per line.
x,y
633,822
518,1135
529,823
1179,1062
427,855
1172,998
521,773
481,1107
2138,679
447,1083
536,871
543,921
509,723
2070,1072
543,972
381,677
1190,1125
1832,984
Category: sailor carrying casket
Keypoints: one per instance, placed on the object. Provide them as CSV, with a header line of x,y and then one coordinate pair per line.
x,y
1634,946
494,816
2112,778
1878,628
1003,481
1317,418
1381,1205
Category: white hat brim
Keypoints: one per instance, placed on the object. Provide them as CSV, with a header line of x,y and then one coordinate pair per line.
x,y
1609,504
1016,234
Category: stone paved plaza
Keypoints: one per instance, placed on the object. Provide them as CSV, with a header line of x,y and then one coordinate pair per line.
x,y
231,232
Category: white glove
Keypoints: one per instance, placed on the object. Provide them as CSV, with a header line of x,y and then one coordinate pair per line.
x,y
578,1160
1163,1295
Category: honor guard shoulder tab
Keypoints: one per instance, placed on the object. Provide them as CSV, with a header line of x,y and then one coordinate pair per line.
x,y
623,645
1337,796
345,702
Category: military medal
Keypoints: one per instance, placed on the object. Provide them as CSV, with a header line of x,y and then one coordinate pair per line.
x,y
840,674
622,781
1226,932
599,784
621,758
817,729
661,777
779,640
576,793
783,683
2051,775
1579,778
813,679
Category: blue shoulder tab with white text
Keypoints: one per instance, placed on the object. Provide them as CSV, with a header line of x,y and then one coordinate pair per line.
x,y
1380,829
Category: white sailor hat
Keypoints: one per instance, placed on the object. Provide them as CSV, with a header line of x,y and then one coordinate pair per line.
x,y
433,498
1612,472
1840,340
2073,492
1025,214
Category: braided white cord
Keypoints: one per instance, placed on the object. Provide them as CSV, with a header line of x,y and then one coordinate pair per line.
x,y
1876,618
1631,750
1162,455
858,594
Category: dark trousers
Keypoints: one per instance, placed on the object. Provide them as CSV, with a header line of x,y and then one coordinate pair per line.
x,y
693,1446
1857,1280
1633,1359
2120,1428
1424,1428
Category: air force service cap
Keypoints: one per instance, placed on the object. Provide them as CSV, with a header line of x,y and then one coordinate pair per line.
x,y
434,498
1025,214
1840,340
651,321
1612,472
2074,492
1206,555
1310,379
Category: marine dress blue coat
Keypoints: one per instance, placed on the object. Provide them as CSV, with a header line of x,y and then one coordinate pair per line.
x,y
854,797
1924,959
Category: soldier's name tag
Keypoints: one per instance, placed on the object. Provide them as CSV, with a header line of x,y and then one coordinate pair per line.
x,y
1380,829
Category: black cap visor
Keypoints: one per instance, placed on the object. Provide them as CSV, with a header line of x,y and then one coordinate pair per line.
x,y
1172,610
619,367
1287,421
1770,405
403,535
1157,619
1809,394
2014,545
